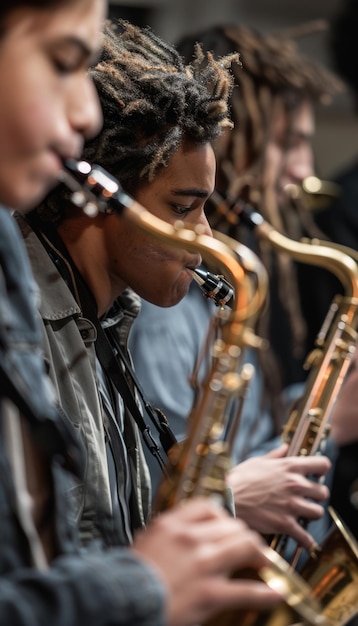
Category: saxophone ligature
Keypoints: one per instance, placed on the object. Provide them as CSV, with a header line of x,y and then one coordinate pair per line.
x,y
331,571
214,286
199,466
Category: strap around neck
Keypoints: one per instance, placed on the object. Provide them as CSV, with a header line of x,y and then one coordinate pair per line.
x,y
58,252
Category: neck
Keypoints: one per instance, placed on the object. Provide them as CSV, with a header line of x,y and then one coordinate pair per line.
x,y
83,238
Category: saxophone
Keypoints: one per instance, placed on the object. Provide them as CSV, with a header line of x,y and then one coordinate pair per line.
x,y
332,569
200,464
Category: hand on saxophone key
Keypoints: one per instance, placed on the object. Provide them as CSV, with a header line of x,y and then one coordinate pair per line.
x,y
273,492
195,547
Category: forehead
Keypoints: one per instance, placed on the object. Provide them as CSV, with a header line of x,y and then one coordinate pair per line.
x,y
298,120
192,165
82,19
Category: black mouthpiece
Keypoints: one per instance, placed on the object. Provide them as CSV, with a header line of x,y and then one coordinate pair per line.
x,y
214,286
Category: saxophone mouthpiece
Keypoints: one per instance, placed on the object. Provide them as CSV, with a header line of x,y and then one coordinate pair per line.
x,y
214,286
93,188
80,169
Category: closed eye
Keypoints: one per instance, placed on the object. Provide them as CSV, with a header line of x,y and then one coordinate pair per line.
x,y
181,210
66,67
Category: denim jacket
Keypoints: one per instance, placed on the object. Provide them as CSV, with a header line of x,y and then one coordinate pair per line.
x,y
80,586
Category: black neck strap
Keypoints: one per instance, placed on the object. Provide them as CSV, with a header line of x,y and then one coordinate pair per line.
x,y
109,360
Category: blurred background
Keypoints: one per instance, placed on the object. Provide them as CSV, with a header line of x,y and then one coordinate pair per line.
x,y
336,139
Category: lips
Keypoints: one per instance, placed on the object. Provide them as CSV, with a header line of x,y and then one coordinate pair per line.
x,y
69,149
194,263
54,164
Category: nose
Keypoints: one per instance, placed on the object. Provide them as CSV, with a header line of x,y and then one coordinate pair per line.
x,y
86,113
203,221
302,165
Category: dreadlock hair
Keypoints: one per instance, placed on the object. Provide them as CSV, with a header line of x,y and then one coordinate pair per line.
x,y
151,103
274,77
272,71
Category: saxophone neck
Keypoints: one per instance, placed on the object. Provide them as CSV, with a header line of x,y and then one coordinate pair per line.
x,y
315,252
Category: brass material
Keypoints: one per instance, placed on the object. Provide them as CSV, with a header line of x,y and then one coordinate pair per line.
x,y
300,606
315,193
332,573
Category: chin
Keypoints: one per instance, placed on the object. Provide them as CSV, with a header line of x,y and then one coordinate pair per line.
x,y
25,202
180,290
19,203
166,302
168,292
170,298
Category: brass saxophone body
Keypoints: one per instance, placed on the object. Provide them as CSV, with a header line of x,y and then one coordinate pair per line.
x,y
332,570
307,426
200,464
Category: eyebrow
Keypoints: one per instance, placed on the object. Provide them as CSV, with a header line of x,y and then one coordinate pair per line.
x,y
198,193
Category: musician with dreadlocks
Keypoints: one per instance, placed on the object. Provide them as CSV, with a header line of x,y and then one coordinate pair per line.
x,y
269,148
159,119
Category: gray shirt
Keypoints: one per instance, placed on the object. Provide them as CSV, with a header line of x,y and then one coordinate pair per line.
x,y
165,344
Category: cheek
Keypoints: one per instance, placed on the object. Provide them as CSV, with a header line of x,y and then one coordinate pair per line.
x,y
140,258
24,120
153,267
153,254
273,165
304,159
41,116
142,245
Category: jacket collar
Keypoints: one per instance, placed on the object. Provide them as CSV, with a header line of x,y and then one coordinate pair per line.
x,y
57,301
